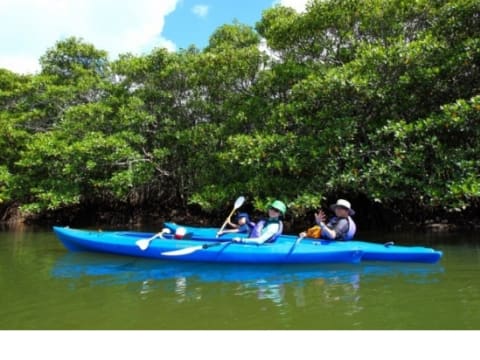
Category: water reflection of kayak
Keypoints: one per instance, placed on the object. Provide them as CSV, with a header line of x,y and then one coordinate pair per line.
x,y
107,269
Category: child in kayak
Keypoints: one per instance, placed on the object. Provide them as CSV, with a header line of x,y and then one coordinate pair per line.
x,y
267,230
243,225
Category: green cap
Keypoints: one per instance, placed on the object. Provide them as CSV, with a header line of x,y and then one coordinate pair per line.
x,y
279,205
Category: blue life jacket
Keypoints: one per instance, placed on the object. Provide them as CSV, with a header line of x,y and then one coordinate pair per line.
x,y
352,227
247,227
257,230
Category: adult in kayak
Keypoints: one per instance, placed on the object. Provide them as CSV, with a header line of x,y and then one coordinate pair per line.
x,y
340,227
267,230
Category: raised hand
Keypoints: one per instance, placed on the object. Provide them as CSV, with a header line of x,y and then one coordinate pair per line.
x,y
320,217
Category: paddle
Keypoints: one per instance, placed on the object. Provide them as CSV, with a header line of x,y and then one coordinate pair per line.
x,y
295,244
144,243
239,202
192,249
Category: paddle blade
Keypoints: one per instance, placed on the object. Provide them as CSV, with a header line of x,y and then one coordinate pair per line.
x,y
192,249
143,244
239,202
184,251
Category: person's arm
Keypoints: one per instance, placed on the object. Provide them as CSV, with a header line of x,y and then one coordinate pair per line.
x,y
320,219
326,231
270,231
232,225
336,231
228,231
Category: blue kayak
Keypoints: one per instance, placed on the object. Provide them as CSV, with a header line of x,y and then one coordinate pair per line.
x,y
205,249
371,251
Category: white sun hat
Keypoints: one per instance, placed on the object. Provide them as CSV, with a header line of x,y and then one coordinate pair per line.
x,y
345,204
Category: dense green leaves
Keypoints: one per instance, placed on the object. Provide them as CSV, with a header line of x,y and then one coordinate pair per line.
x,y
232,36
72,59
375,100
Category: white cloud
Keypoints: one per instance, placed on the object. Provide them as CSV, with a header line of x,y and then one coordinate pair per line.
x,y
29,27
298,5
200,10
19,63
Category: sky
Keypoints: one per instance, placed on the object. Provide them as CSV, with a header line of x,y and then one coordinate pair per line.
x,y
28,28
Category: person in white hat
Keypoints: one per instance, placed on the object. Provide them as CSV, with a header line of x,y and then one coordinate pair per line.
x,y
341,226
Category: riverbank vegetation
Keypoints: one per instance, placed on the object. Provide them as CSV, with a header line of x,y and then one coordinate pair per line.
x,y
376,101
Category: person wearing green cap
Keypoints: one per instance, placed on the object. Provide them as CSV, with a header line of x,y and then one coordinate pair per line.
x,y
267,230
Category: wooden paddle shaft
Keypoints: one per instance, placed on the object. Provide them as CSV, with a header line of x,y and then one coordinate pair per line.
x,y
229,216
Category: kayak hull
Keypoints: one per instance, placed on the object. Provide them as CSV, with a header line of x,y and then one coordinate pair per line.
x,y
371,251
286,251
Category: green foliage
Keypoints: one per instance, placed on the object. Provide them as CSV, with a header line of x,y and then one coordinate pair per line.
x,y
278,26
235,35
72,59
433,160
5,180
374,99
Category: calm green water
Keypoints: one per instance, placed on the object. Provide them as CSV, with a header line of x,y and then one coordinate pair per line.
x,y
43,286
